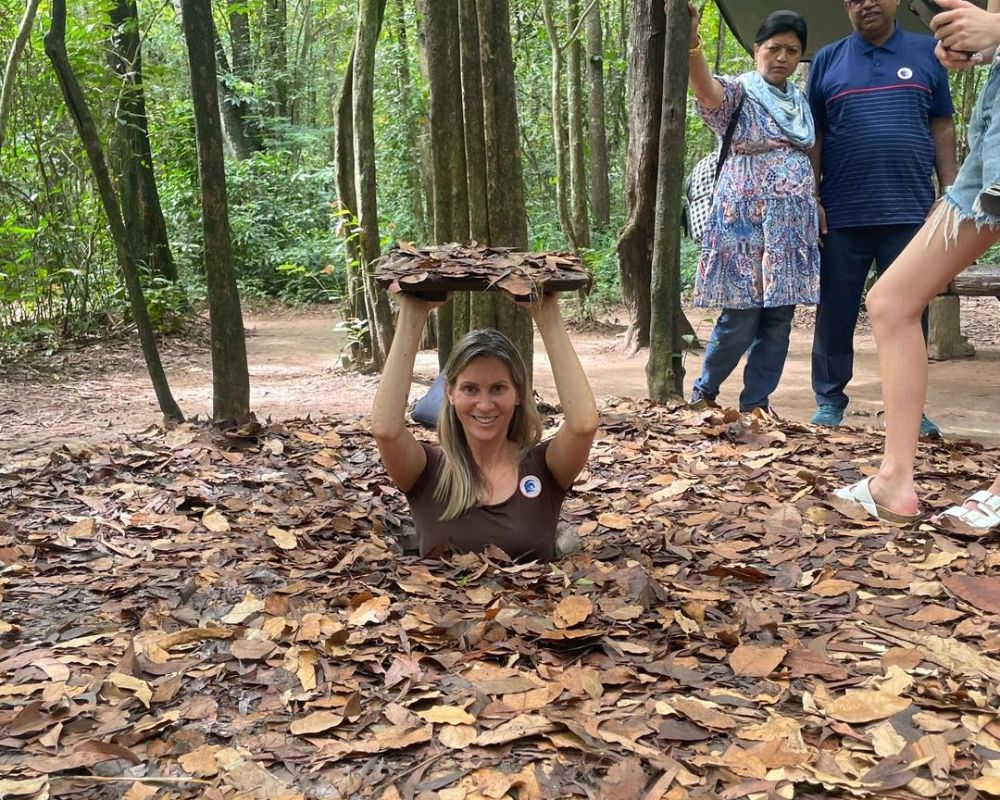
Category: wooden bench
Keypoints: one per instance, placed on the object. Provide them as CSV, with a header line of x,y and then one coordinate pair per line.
x,y
945,339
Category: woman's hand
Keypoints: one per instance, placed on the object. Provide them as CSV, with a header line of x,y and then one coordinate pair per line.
x,y
541,307
695,20
418,304
964,26
957,59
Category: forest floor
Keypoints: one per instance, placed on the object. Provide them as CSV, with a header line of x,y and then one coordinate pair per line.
x,y
224,616
99,392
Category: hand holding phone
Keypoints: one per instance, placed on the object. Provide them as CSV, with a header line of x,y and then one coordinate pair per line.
x,y
963,26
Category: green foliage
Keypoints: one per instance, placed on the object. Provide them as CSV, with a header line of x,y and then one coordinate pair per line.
x,y
58,272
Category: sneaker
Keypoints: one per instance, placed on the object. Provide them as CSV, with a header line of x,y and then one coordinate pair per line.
x,y
928,430
828,415
698,397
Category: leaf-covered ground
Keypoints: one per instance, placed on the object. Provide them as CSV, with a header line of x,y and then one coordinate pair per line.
x,y
187,615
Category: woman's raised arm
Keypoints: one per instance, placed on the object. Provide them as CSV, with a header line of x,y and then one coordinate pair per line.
x,y
567,454
402,455
706,88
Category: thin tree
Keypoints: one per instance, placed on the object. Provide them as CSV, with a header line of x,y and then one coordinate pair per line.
x,y
370,13
558,127
243,135
665,367
449,182
574,108
140,199
276,53
406,103
10,69
600,194
645,93
230,376
504,171
241,138
55,49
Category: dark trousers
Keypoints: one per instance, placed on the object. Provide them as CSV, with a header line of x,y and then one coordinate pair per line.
x,y
847,258
761,333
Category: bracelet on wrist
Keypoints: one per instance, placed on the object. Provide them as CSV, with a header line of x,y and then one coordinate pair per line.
x,y
697,48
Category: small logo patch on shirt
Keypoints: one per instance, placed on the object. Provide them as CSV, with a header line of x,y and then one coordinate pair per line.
x,y
531,487
905,73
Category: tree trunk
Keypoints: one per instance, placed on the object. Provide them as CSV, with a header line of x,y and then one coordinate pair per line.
x,y
665,367
233,112
230,376
140,200
558,132
426,151
347,195
370,14
600,194
472,113
276,52
242,131
412,146
10,70
645,93
442,45
55,49
720,43
481,307
574,105
504,172
300,70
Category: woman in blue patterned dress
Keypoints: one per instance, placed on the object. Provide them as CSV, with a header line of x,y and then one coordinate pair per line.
x,y
760,252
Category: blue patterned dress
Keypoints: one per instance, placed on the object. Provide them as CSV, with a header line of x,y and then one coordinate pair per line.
x,y
761,244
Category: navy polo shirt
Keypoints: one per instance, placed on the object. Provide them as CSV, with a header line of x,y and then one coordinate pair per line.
x,y
874,106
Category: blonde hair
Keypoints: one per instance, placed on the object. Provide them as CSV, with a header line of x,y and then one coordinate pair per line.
x,y
460,479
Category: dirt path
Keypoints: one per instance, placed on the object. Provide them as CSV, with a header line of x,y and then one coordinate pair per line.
x,y
101,392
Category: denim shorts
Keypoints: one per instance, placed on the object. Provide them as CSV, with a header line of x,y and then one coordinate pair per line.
x,y
975,195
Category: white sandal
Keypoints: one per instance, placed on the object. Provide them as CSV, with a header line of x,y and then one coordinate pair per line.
x,y
985,517
860,494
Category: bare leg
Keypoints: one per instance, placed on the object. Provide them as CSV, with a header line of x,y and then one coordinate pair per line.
x,y
895,304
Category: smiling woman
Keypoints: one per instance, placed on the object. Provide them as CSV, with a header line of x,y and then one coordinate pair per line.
x,y
491,481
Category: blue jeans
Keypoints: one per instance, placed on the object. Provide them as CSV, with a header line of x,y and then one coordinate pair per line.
x,y
845,262
762,331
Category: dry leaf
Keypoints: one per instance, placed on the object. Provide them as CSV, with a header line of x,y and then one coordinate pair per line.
x,y
201,762
755,662
457,737
521,727
33,788
864,705
314,723
252,649
243,610
572,611
617,522
127,683
448,715
286,540
979,592
214,520
374,610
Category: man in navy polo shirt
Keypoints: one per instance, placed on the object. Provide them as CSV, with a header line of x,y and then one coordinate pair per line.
x,y
884,126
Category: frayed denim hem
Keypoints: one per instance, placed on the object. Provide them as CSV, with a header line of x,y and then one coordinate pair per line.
x,y
949,217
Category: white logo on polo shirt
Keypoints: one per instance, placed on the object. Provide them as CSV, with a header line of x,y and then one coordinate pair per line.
x,y
531,487
905,73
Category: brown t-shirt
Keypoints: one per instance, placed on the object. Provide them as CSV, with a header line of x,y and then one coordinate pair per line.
x,y
523,525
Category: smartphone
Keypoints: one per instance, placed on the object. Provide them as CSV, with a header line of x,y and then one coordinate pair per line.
x,y
925,9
